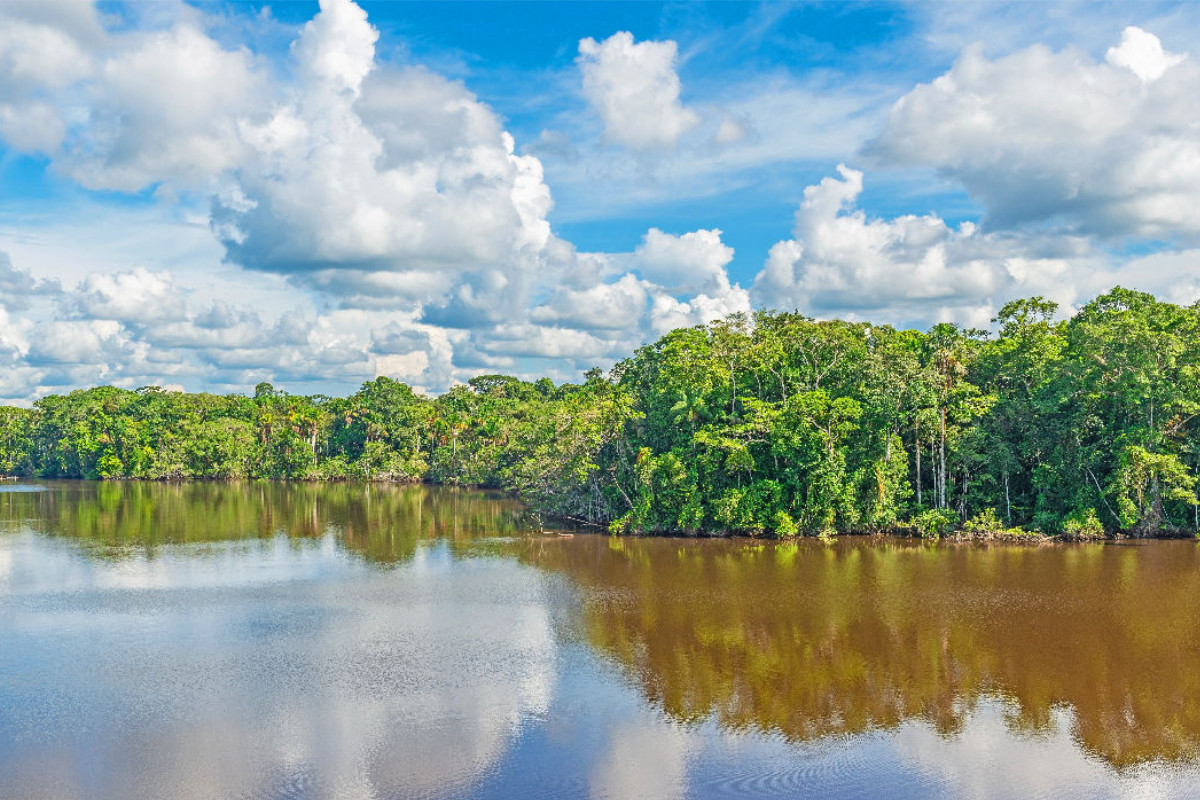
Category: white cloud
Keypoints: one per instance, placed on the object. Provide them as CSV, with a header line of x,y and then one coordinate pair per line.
x,y
759,131
1142,54
44,49
379,219
1173,277
634,88
730,131
166,108
392,195
689,263
670,313
538,341
625,299
123,110
18,286
911,268
617,306
84,342
46,45
139,297
349,167
133,328
337,47
1110,149
422,199
14,340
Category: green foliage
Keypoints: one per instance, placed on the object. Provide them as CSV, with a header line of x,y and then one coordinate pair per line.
x,y
668,499
987,524
15,442
774,424
984,522
933,523
785,526
1146,481
1083,525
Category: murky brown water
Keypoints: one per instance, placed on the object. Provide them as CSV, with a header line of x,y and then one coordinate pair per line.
x,y
814,639
260,640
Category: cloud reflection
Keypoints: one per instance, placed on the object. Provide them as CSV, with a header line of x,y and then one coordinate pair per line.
x,y
165,678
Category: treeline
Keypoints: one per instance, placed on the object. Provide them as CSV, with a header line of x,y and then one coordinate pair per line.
x,y
773,424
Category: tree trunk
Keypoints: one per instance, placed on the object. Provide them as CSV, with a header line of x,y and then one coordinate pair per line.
x,y
942,464
1156,507
1007,501
917,444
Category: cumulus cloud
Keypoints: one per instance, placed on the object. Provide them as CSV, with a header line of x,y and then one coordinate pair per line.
x,y
690,263
731,130
44,45
911,268
1104,148
688,279
378,218
634,88
18,286
395,339
392,195
423,200
539,341
79,342
139,297
138,327
670,313
127,110
616,306
1142,54
166,108
621,300
45,48
337,47
14,344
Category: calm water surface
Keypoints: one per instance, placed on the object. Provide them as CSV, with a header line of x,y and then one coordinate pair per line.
x,y
299,641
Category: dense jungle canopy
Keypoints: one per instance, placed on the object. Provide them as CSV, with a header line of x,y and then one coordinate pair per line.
x,y
772,424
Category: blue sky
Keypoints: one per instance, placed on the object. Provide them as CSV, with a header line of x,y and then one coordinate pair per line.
x,y
208,195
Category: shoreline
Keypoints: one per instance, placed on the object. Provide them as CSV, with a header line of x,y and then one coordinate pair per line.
x,y
1010,536
898,532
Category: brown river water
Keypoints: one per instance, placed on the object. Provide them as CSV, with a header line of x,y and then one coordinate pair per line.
x,y
354,641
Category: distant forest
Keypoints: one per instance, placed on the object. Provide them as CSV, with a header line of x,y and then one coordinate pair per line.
x,y
772,424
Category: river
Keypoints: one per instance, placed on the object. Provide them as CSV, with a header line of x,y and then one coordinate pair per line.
x,y
357,641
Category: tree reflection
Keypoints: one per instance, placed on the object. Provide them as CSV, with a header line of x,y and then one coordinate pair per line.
x,y
815,640
807,639
379,522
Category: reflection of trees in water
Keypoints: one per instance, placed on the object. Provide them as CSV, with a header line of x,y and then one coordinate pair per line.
x,y
806,639
814,640
382,523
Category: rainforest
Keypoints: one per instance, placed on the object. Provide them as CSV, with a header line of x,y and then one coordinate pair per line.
x,y
772,424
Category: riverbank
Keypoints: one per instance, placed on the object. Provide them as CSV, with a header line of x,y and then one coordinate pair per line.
x,y
901,531
928,525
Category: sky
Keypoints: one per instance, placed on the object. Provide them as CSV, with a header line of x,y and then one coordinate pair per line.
x,y
207,195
